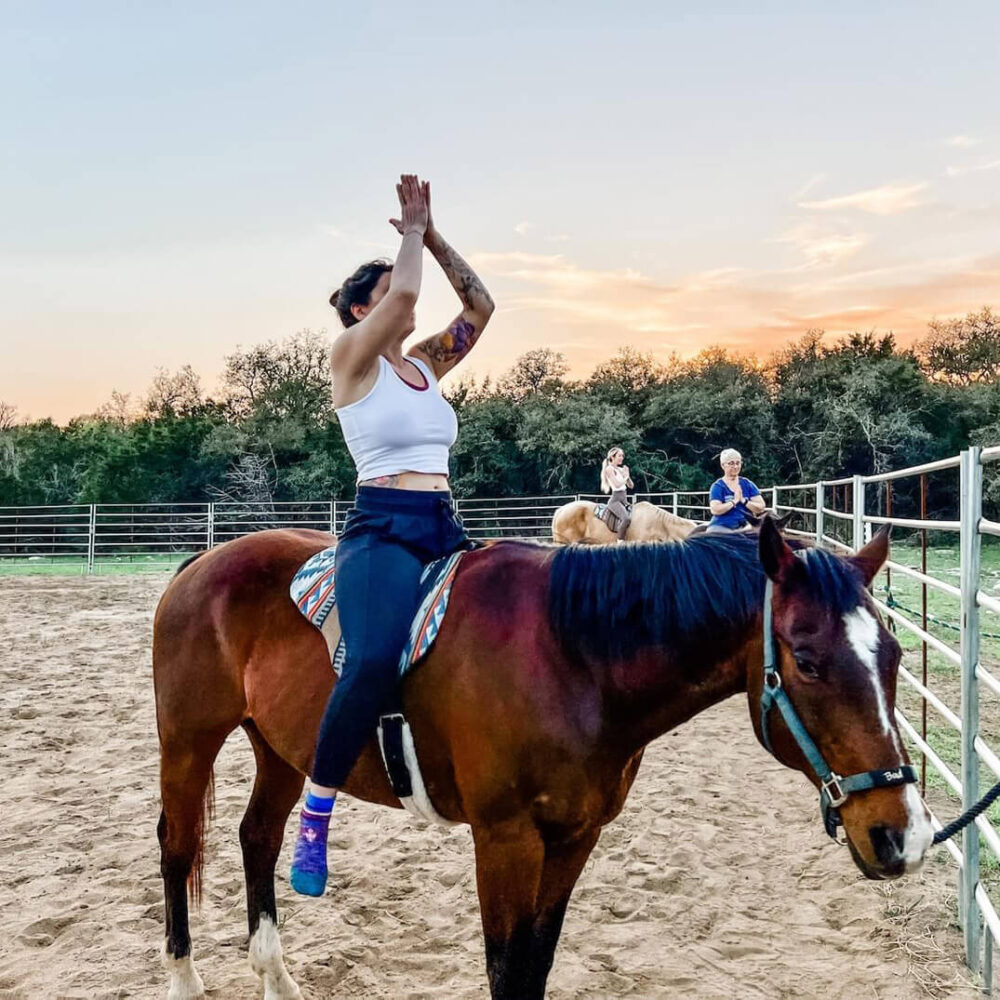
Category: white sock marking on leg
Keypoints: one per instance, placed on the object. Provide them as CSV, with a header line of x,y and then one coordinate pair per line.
x,y
267,961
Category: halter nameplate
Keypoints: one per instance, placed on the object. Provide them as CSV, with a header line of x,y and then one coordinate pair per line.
x,y
834,790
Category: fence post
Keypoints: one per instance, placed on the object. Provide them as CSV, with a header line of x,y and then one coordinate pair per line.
x,y
970,551
820,526
675,503
774,499
858,510
333,517
210,527
92,538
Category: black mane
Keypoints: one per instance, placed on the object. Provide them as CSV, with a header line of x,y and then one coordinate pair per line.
x,y
610,602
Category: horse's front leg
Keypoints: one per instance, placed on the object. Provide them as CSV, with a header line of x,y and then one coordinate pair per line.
x,y
564,860
524,887
509,862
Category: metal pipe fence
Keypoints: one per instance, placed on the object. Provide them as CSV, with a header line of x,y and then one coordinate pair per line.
x,y
841,513
97,534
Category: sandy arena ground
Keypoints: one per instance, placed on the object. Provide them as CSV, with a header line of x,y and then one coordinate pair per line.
x,y
716,882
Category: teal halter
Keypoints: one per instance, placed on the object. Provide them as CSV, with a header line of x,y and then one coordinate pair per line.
x,y
834,790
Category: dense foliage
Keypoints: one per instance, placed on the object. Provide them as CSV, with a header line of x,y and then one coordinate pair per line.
x,y
813,410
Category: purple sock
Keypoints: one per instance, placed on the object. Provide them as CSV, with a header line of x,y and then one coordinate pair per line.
x,y
309,860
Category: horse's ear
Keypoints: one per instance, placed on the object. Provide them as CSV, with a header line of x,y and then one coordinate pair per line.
x,y
870,559
785,518
775,555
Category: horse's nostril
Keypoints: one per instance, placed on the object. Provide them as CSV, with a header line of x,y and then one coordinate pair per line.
x,y
887,843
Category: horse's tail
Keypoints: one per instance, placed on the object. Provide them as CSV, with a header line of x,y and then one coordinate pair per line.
x,y
558,521
183,646
187,562
205,817
557,530
569,522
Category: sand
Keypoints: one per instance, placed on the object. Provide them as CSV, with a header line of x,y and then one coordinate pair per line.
x,y
717,881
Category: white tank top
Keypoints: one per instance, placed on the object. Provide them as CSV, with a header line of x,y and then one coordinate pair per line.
x,y
397,427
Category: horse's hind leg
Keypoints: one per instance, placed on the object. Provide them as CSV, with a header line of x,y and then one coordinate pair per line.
x,y
185,779
275,792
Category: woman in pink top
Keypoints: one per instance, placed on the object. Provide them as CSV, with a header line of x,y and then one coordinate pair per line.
x,y
615,479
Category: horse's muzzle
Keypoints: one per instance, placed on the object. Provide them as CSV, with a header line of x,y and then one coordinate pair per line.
x,y
896,852
888,845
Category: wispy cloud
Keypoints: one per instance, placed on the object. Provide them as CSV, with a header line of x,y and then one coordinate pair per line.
x,y
973,168
553,270
889,199
962,141
813,181
752,310
823,249
523,228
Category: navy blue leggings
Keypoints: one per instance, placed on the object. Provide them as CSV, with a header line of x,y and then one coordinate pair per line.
x,y
388,539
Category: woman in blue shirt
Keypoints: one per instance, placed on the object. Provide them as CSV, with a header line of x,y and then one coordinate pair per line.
x,y
732,496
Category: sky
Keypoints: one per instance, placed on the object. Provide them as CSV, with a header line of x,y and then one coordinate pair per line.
x,y
182,179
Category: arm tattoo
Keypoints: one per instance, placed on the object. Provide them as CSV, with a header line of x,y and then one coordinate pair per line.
x,y
464,280
453,344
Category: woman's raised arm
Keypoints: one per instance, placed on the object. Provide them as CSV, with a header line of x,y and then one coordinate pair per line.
x,y
355,350
446,349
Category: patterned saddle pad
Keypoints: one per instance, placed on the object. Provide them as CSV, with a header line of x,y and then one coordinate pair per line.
x,y
312,589
314,593
608,517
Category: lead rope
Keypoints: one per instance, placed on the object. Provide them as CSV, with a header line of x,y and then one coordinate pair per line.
x,y
949,831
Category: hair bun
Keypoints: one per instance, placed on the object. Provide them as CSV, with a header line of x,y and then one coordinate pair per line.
x,y
334,298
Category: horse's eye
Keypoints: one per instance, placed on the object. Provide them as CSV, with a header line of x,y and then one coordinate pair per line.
x,y
808,669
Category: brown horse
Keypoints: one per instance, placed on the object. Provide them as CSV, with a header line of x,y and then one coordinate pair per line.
x,y
553,669
577,521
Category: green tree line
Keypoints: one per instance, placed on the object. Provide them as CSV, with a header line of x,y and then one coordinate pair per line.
x,y
813,410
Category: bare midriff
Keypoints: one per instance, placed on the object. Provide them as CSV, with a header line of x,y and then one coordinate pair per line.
x,y
429,481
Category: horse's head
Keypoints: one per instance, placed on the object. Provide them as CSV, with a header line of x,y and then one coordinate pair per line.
x,y
835,665
755,520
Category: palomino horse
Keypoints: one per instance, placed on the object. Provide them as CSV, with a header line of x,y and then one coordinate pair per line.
x,y
577,521
552,671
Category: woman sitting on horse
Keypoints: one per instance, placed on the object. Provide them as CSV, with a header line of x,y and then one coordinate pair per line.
x,y
399,429
732,496
615,479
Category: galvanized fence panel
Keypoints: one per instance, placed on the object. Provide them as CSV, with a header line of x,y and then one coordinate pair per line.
x,y
145,531
37,533
511,517
960,646
231,520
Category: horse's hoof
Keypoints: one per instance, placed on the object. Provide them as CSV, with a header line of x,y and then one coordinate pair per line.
x,y
185,983
280,992
187,991
267,961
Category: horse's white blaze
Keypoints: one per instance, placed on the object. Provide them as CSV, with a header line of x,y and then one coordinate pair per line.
x,y
919,833
862,633
267,961
185,983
